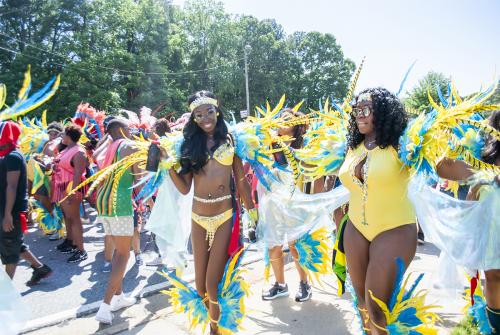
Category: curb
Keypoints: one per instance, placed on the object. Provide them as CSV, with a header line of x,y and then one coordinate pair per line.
x,y
91,308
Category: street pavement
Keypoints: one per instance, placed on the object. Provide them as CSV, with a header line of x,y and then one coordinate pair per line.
x,y
325,313
76,289
73,285
66,302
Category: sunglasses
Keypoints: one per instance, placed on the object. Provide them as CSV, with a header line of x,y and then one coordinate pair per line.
x,y
364,111
211,114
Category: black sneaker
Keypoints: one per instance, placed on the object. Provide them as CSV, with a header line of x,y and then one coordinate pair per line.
x,y
64,244
39,274
275,292
78,256
252,236
68,249
305,292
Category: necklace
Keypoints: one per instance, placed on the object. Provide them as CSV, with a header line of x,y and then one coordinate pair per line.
x,y
370,144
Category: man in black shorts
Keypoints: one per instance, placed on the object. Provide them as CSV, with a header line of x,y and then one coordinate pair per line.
x,y
13,206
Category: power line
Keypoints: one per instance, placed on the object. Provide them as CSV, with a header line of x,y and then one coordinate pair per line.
x,y
120,70
14,10
36,58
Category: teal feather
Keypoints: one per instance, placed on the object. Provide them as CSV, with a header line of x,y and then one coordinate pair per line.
x,y
309,253
480,316
231,298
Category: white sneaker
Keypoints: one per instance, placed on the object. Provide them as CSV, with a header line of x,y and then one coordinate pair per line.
x,y
121,301
104,314
157,261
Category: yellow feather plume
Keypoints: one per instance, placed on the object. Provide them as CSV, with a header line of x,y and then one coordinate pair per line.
x,y
23,92
346,104
3,95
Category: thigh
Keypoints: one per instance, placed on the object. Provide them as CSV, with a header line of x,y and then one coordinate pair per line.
x,y
71,208
122,244
492,288
400,242
218,256
356,249
199,244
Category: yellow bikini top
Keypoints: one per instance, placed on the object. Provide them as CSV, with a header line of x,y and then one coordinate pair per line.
x,y
224,154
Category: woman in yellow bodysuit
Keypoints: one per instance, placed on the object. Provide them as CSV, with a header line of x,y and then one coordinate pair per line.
x,y
209,163
381,225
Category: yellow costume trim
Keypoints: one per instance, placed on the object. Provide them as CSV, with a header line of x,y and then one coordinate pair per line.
x,y
213,302
362,184
224,154
212,223
366,318
377,326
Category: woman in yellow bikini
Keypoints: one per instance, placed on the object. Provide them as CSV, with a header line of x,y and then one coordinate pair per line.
x,y
209,163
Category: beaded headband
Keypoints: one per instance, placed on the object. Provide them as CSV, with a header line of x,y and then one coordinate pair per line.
x,y
203,101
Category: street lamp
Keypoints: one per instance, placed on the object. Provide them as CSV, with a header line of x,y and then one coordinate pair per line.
x,y
246,51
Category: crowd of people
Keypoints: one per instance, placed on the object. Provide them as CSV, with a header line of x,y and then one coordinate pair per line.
x,y
342,188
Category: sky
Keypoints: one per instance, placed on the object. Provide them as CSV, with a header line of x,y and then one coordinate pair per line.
x,y
459,38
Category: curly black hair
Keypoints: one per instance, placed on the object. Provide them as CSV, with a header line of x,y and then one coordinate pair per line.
x,y
491,152
194,153
74,132
55,126
389,117
161,127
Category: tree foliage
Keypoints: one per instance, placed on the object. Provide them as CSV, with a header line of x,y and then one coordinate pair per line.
x,y
418,99
128,53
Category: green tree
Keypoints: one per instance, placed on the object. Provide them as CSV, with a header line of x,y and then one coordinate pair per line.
x,y
128,53
495,98
321,70
418,100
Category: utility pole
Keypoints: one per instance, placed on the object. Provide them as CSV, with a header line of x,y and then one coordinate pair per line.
x,y
246,51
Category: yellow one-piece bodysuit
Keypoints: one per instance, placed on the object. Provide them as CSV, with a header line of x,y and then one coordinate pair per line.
x,y
380,202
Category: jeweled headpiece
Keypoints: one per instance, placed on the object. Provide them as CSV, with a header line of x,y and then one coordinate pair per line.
x,y
203,101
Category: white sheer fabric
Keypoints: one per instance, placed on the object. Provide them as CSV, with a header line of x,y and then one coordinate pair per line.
x,y
467,231
170,221
286,213
13,312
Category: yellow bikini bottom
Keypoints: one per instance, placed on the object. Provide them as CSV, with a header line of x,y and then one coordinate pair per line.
x,y
212,223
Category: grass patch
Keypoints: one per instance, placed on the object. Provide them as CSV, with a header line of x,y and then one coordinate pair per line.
x,y
466,327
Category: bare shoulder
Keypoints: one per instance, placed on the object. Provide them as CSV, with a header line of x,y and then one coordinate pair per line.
x,y
128,147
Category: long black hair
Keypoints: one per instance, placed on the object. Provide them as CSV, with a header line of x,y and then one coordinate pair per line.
x,y
194,153
389,118
491,152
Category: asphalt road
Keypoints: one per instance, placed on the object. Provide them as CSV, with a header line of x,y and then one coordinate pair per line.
x,y
73,285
